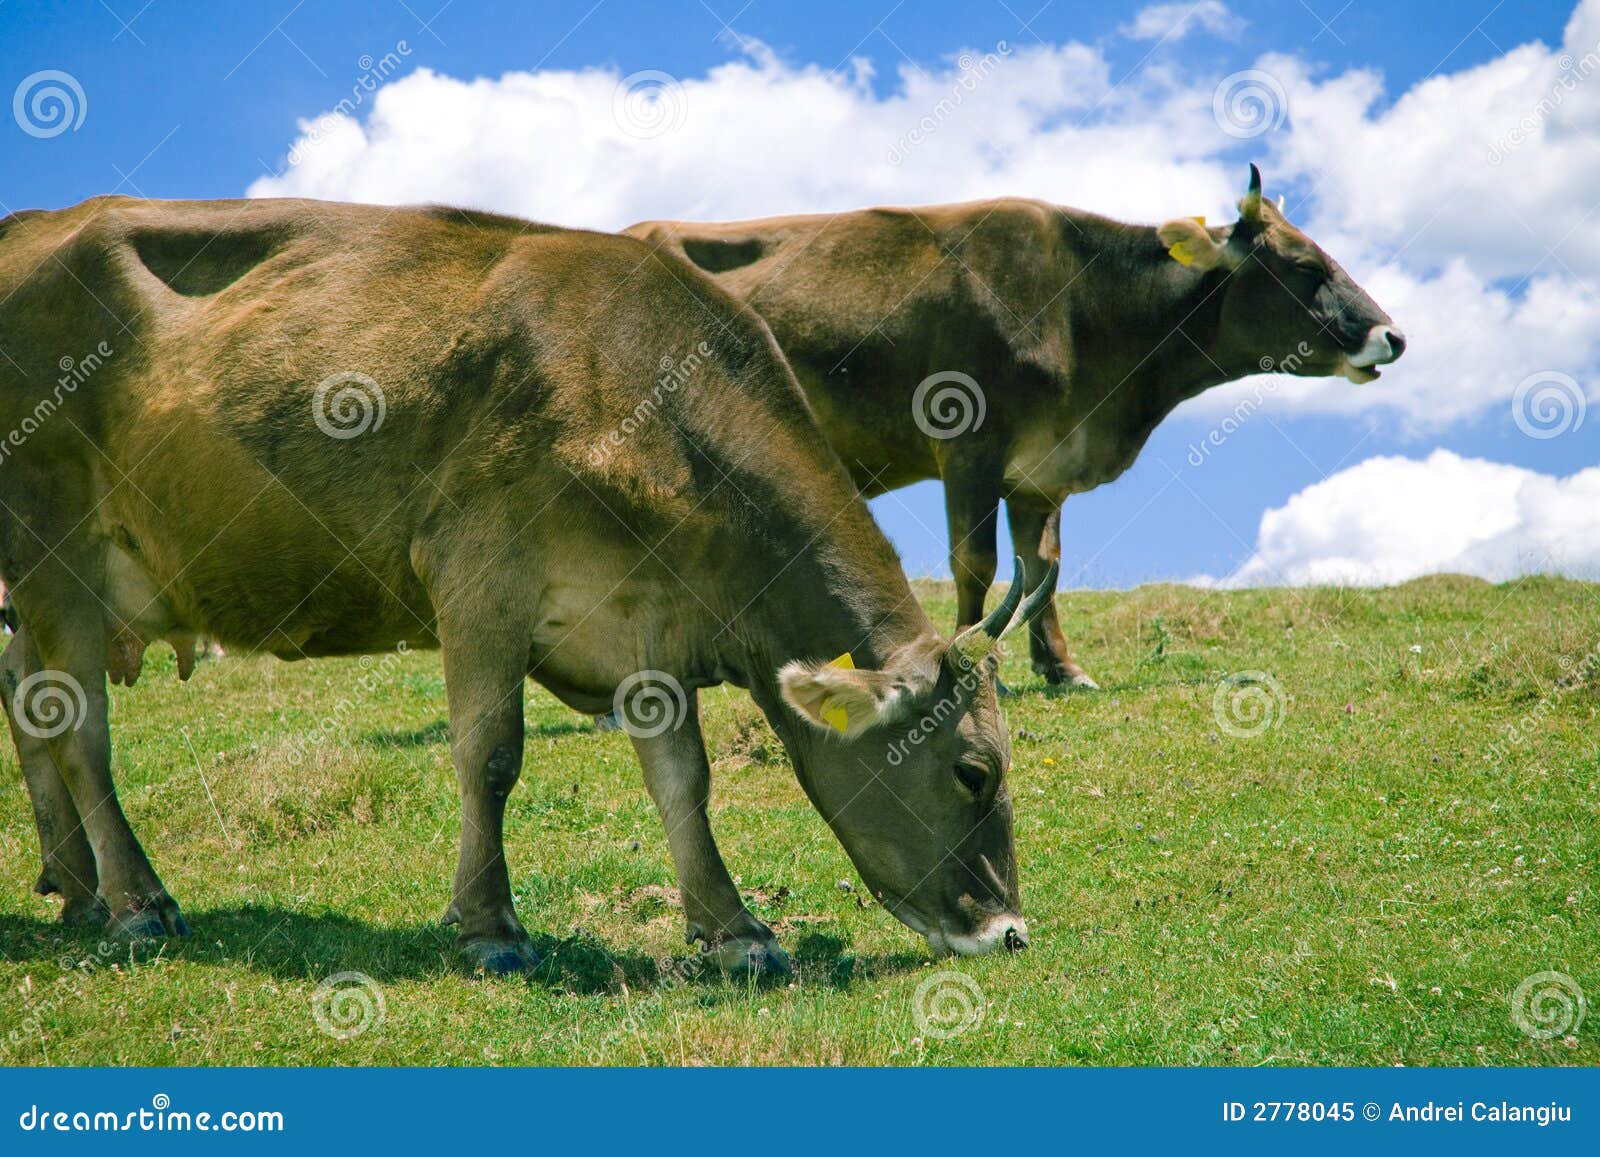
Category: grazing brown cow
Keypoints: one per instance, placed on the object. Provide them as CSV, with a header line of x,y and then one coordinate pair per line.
x,y
318,429
1020,350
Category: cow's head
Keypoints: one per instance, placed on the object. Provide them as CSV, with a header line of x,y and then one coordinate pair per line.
x,y
908,766
1285,299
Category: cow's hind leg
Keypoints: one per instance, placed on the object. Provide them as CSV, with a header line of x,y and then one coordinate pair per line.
x,y
68,705
678,777
1036,536
972,508
484,671
69,869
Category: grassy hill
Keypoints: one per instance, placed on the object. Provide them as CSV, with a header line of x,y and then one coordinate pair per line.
x,y
1353,855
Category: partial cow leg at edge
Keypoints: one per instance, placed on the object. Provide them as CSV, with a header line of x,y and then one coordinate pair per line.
x,y
69,869
1036,536
68,636
678,777
483,676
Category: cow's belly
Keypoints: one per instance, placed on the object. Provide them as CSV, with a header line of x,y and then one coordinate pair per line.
x,y
1050,464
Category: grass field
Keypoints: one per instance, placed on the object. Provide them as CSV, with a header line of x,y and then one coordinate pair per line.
x,y
1364,874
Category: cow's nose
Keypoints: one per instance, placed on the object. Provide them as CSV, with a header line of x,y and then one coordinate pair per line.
x,y
1016,938
1397,343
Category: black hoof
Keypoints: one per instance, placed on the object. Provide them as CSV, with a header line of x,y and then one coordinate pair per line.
x,y
155,920
497,958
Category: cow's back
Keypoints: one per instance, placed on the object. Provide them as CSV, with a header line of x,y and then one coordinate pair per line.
x,y
272,403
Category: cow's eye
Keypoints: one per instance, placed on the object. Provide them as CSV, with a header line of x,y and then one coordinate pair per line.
x,y
971,778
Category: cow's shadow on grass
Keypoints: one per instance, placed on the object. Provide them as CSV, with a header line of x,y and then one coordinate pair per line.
x,y
290,945
438,732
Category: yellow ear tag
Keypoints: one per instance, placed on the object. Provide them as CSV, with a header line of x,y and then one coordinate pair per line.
x,y
838,718
1183,252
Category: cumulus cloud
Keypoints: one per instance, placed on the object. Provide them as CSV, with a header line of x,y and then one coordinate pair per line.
x,y
1492,268
1175,21
1388,520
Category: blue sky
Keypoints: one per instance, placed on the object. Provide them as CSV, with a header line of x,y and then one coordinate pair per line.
x,y
183,100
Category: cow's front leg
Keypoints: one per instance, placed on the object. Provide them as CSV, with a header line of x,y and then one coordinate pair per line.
x,y
1036,535
972,509
69,869
65,703
483,674
678,777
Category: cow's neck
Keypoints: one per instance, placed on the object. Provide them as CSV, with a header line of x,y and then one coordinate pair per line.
x,y
1145,328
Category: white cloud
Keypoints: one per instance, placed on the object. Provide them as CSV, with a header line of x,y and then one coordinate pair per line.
x,y
1388,520
1175,21
1494,270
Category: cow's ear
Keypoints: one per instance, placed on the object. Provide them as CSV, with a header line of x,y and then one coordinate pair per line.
x,y
837,697
1189,243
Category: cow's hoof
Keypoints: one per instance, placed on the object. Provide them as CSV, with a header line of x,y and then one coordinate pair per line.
x,y
153,919
746,959
500,957
84,912
1066,678
1002,690
610,721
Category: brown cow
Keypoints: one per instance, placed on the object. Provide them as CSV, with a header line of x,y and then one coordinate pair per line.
x,y
319,429
1020,350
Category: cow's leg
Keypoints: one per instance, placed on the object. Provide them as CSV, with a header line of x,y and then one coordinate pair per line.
x,y
1036,535
972,507
678,777
69,869
484,670
69,637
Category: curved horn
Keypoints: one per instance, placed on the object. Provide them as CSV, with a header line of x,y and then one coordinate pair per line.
x,y
978,640
998,620
1040,596
1250,207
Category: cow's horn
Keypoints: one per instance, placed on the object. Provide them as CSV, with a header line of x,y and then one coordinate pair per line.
x,y
1040,597
978,640
1250,207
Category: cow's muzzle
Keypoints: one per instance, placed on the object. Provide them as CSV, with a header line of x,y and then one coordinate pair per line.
x,y
1384,344
1007,930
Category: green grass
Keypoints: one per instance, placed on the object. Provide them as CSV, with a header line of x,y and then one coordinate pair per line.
x,y
1366,882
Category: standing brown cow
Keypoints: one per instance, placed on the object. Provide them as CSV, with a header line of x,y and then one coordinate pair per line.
x,y
1020,350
